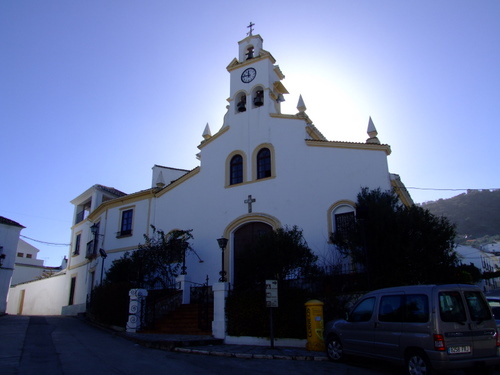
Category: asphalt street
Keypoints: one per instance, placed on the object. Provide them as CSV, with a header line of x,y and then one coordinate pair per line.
x,y
69,346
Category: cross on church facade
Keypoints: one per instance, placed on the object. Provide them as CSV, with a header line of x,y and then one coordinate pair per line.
x,y
251,28
249,201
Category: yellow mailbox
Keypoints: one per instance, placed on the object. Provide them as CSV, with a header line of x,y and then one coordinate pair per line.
x,y
315,326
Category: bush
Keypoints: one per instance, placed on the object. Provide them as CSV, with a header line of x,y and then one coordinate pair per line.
x,y
248,315
109,303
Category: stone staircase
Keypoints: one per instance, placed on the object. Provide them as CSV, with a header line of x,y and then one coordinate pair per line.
x,y
185,321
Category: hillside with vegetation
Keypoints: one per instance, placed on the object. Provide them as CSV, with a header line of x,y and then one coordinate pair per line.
x,y
476,214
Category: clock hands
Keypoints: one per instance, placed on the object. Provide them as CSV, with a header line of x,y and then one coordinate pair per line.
x,y
248,75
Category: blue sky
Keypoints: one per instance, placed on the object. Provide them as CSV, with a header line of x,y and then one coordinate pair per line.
x,y
98,91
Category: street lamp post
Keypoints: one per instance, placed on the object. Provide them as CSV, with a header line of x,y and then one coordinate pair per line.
x,y
95,231
183,247
222,244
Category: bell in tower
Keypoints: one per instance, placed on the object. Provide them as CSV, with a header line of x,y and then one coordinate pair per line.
x,y
250,53
250,47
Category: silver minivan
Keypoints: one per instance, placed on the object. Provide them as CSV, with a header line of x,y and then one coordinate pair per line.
x,y
427,327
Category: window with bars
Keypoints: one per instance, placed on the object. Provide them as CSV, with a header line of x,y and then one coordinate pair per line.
x,y
344,223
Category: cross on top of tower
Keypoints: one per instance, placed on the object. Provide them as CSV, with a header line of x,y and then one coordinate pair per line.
x,y
251,28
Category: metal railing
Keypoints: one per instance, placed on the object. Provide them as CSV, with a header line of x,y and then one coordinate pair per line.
x,y
202,294
159,303
91,252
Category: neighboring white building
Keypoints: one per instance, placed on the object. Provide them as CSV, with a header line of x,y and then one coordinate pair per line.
x,y
491,247
28,267
9,237
260,170
486,261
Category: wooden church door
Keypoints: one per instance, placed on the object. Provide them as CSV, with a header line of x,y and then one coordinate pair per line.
x,y
244,238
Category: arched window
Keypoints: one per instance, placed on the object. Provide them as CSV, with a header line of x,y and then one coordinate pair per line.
x,y
241,106
343,218
264,163
344,223
236,170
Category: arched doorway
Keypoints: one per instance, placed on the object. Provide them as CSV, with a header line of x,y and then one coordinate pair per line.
x,y
244,238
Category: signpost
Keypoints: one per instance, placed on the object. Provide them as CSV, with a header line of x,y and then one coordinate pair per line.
x,y
271,302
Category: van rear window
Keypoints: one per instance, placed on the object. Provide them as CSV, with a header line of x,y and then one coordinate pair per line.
x,y
478,307
452,307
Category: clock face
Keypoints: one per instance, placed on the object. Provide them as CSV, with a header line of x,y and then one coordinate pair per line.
x,y
248,75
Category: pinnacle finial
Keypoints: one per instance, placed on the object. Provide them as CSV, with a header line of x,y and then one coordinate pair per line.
x,y
160,182
207,133
300,105
372,132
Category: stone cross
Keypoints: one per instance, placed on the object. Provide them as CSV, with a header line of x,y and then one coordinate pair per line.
x,y
249,201
251,28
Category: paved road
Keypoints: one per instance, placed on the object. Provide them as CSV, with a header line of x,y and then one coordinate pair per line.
x,y
68,346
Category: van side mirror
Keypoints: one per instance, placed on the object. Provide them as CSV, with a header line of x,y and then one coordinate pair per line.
x,y
347,316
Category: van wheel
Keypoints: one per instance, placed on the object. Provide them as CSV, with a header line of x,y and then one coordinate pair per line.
x,y
334,349
418,364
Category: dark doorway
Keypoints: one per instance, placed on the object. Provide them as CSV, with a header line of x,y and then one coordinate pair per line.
x,y
72,291
244,238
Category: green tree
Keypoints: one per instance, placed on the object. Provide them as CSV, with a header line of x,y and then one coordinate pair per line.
x,y
398,245
156,262
278,255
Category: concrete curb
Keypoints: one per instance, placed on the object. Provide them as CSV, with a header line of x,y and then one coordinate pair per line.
x,y
205,345
222,353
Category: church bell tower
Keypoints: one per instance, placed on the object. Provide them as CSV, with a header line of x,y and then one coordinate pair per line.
x,y
255,80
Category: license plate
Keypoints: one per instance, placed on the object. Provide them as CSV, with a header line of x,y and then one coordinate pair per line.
x,y
459,349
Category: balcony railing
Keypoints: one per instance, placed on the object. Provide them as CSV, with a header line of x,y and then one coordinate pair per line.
x,y
91,250
124,233
80,216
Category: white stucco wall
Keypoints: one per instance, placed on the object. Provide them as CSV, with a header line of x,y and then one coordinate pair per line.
x,y
42,297
308,181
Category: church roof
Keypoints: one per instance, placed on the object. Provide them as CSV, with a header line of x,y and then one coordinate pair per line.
x,y
172,168
353,145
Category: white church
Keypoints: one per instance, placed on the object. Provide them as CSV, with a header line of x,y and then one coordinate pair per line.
x,y
262,169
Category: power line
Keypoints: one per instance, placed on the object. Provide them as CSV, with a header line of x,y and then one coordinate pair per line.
x,y
44,242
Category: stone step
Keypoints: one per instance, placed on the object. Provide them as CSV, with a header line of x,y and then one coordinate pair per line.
x,y
185,321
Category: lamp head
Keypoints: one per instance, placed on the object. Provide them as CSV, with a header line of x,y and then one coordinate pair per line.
x,y
222,243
